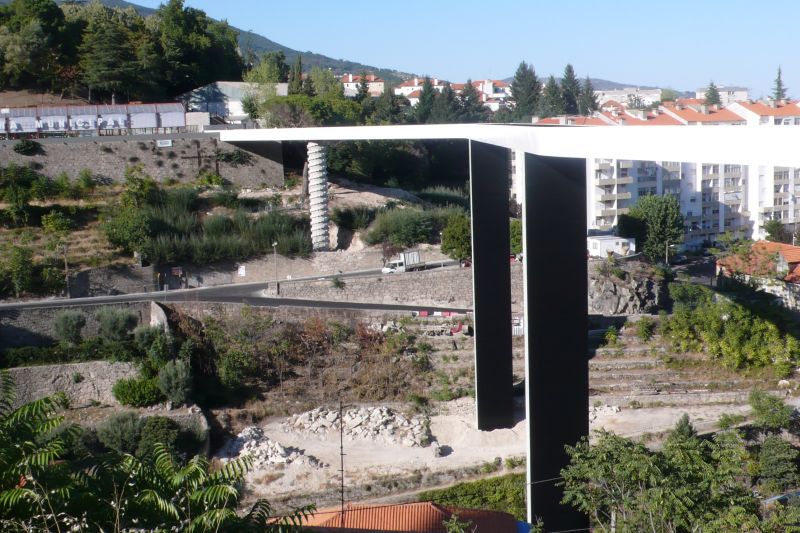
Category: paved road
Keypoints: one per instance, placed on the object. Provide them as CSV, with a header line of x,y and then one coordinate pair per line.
x,y
249,293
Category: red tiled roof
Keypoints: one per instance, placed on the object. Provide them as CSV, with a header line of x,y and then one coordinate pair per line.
x,y
780,110
414,94
691,115
790,254
422,517
371,78
573,121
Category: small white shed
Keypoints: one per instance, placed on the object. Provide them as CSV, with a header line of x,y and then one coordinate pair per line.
x,y
171,115
143,116
113,117
22,120
53,119
83,117
602,245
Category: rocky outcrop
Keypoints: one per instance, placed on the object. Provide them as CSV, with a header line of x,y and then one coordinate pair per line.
x,y
375,423
624,291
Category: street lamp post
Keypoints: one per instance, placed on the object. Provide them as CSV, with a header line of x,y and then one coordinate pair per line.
x,y
275,258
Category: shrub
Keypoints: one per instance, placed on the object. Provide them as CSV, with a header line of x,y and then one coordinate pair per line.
x,y
235,158
769,412
777,461
728,421
337,283
156,429
611,336
144,336
68,326
55,222
446,196
137,392
208,178
175,382
353,218
410,226
120,432
115,324
645,328
27,147
505,493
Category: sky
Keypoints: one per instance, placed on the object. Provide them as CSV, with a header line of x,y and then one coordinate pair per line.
x,y
682,44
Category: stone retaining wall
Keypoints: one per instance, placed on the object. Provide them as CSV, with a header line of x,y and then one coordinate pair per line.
x,y
83,383
109,156
36,327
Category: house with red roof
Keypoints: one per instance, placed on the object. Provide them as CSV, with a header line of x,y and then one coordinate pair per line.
x,y
769,113
351,82
420,517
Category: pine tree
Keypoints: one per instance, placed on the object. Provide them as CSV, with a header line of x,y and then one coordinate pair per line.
x,y
525,91
588,100
551,103
779,91
363,87
308,87
296,76
445,107
425,105
712,95
570,90
107,59
470,106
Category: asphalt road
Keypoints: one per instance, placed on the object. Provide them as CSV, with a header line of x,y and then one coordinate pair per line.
x,y
248,293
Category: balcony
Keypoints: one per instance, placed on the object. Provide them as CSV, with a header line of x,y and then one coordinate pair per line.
x,y
625,163
613,197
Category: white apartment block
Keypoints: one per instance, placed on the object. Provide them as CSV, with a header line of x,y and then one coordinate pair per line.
x,y
715,196
727,94
493,93
351,83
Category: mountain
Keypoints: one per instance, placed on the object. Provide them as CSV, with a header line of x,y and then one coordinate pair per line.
x,y
258,44
599,84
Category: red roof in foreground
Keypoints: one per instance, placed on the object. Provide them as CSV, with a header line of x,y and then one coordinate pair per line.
x,y
422,517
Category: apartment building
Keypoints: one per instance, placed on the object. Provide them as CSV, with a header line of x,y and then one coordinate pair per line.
x,y
727,94
715,196
351,82
493,93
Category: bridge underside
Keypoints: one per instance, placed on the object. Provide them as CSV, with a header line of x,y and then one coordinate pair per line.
x,y
556,374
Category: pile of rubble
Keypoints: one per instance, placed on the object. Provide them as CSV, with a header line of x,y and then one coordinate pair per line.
x,y
365,423
265,451
598,410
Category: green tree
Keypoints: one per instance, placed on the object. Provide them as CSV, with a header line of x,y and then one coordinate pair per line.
x,y
683,428
712,95
363,87
445,107
777,464
769,412
471,108
20,269
68,326
107,58
779,89
587,103
424,107
325,83
663,223
515,230
570,90
669,95
296,76
777,232
551,103
525,89
457,237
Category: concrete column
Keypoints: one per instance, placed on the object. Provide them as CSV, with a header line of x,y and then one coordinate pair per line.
x,y
318,194
556,323
491,285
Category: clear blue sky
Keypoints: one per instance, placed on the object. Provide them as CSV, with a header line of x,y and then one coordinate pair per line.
x,y
679,43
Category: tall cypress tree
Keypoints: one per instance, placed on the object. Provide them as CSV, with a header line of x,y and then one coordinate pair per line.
x,y
445,107
107,59
570,90
712,95
779,91
525,91
296,76
363,87
425,105
551,103
588,100
470,106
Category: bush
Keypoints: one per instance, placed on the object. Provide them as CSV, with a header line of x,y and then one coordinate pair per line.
x,y
116,324
68,326
120,432
353,218
144,336
645,328
446,196
95,349
728,421
410,226
137,392
235,158
157,429
769,412
175,382
504,493
27,147
611,337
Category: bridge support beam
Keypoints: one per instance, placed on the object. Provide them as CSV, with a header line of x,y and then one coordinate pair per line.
x,y
491,283
556,322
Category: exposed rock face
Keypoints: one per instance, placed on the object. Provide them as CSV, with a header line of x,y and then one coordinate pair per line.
x,y
633,293
365,423
265,451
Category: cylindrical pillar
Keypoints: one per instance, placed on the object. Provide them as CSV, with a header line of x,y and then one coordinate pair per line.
x,y
318,195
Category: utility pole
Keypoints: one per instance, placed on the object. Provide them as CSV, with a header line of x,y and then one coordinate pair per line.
x,y
341,457
275,259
